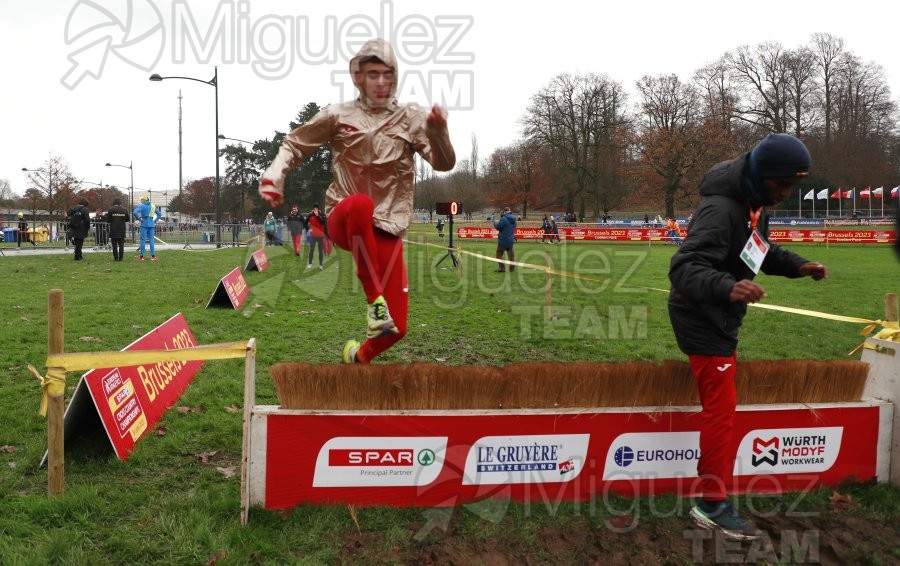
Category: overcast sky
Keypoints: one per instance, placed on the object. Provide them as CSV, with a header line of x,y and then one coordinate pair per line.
x,y
75,72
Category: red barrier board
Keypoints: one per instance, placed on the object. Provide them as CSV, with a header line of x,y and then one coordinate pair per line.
x,y
258,261
451,458
131,400
231,291
654,234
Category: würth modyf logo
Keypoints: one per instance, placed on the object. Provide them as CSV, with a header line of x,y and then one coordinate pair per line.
x,y
765,451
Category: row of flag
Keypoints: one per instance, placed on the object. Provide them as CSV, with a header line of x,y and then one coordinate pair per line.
x,y
868,192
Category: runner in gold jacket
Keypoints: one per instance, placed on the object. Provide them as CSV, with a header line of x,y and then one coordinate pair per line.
x,y
370,203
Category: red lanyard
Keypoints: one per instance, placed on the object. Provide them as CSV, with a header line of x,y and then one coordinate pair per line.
x,y
754,217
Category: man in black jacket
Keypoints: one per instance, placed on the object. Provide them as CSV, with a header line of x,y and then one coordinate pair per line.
x,y
118,219
79,225
712,284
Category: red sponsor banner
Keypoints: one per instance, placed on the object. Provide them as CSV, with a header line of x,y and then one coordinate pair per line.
x,y
448,459
588,234
834,236
653,234
131,400
231,291
257,262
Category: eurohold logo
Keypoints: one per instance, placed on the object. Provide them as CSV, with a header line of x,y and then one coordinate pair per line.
x,y
788,450
646,455
544,458
379,461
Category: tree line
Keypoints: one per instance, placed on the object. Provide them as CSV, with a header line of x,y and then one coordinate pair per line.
x,y
587,147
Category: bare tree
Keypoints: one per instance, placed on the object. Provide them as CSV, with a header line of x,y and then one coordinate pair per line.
x,y
474,157
827,50
676,139
573,118
719,94
55,183
762,74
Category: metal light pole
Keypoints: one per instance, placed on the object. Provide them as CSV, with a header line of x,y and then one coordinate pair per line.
x,y
215,83
130,168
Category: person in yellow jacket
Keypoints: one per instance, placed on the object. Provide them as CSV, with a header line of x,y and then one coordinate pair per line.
x,y
370,202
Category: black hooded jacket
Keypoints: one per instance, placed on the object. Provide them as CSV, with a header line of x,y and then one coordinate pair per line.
x,y
708,263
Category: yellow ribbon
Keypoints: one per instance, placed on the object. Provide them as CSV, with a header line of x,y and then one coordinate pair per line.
x,y
890,330
52,384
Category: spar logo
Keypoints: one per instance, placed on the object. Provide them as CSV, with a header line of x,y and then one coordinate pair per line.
x,y
788,450
644,455
379,461
545,458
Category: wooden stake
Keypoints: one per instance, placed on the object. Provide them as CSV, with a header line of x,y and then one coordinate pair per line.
x,y
549,284
890,307
56,401
426,249
249,403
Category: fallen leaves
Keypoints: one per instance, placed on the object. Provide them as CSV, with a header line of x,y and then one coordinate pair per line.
x,y
204,457
90,339
228,472
8,448
840,502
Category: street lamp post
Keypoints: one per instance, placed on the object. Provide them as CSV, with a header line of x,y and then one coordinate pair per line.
x,y
215,84
130,168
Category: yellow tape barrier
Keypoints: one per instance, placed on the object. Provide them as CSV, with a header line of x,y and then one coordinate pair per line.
x,y
54,384
890,330
58,364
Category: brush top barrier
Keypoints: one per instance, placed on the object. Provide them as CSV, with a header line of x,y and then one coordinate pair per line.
x,y
533,385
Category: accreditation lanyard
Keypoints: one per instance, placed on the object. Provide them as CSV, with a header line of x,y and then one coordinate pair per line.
x,y
754,251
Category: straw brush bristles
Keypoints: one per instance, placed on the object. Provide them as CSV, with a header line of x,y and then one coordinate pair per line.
x,y
539,385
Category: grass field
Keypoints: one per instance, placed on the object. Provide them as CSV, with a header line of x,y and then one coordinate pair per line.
x,y
174,501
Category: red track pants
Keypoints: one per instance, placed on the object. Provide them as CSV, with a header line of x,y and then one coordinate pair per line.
x,y
298,242
718,396
379,265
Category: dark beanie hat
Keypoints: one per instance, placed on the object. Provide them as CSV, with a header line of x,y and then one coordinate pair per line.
x,y
83,201
781,156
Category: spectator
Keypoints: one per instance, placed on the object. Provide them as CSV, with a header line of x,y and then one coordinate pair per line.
x,y
554,231
23,232
146,215
117,218
269,225
296,222
79,218
506,238
317,228
440,227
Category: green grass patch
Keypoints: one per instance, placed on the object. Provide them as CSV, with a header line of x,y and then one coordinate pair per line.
x,y
167,506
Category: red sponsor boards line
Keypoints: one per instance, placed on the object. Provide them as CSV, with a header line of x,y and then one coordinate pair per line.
x,y
258,261
231,291
444,459
653,234
131,400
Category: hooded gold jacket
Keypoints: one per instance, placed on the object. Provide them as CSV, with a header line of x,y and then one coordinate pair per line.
x,y
372,148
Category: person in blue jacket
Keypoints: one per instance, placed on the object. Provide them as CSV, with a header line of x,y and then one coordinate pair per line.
x,y
506,238
147,215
